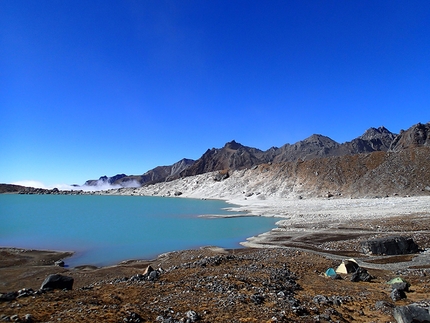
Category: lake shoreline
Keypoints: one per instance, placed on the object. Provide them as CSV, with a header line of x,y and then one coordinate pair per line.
x,y
300,218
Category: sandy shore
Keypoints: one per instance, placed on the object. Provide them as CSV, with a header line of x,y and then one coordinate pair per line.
x,y
335,227
332,209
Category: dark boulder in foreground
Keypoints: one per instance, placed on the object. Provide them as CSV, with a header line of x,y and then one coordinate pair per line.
x,y
57,282
411,313
390,246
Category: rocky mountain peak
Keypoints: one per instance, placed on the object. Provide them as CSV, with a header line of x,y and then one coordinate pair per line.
x,y
377,133
233,145
319,140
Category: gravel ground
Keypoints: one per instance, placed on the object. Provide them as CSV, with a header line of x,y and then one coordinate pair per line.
x,y
214,285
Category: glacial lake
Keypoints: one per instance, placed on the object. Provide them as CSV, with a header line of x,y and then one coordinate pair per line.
x,y
105,230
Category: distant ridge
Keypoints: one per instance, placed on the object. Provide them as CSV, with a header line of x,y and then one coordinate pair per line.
x,y
158,174
235,156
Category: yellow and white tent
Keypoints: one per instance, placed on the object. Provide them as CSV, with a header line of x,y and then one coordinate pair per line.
x,y
347,266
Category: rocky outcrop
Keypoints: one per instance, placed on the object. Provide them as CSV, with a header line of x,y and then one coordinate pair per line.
x,y
11,188
390,246
416,136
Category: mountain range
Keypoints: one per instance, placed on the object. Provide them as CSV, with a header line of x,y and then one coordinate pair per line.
x,y
235,156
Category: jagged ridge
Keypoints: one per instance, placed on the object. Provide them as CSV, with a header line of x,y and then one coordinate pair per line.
x,y
235,156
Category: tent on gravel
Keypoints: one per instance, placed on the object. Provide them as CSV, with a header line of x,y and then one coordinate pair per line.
x,y
330,272
347,266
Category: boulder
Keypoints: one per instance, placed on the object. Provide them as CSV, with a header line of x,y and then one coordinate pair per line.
x,y
411,313
390,246
220,176
361,275
404,286
397,295
57,281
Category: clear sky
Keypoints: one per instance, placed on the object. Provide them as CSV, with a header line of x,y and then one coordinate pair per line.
x,y
91,88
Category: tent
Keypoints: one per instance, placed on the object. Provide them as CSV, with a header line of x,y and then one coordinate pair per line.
x,y
330,272
347,266
395,281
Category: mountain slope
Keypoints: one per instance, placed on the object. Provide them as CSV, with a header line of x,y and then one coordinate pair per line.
x,y
416,136
376,174
232,156
315,146
235,156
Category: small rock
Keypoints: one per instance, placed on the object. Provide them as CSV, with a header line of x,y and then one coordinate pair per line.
x,y
397,295
148,270
8,296
132,317
384,307
25,292
59,263
257,299
192,316
321,300
153,275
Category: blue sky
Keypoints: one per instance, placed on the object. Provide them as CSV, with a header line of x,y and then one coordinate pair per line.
x,y
92,88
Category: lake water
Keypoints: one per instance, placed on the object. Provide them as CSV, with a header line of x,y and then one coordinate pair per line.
x,y
104,230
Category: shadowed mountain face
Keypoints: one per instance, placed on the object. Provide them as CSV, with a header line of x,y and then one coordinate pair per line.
x,y
416,136
234,156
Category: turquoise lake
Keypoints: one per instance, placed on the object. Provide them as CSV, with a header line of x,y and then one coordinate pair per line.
x,y
104,230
